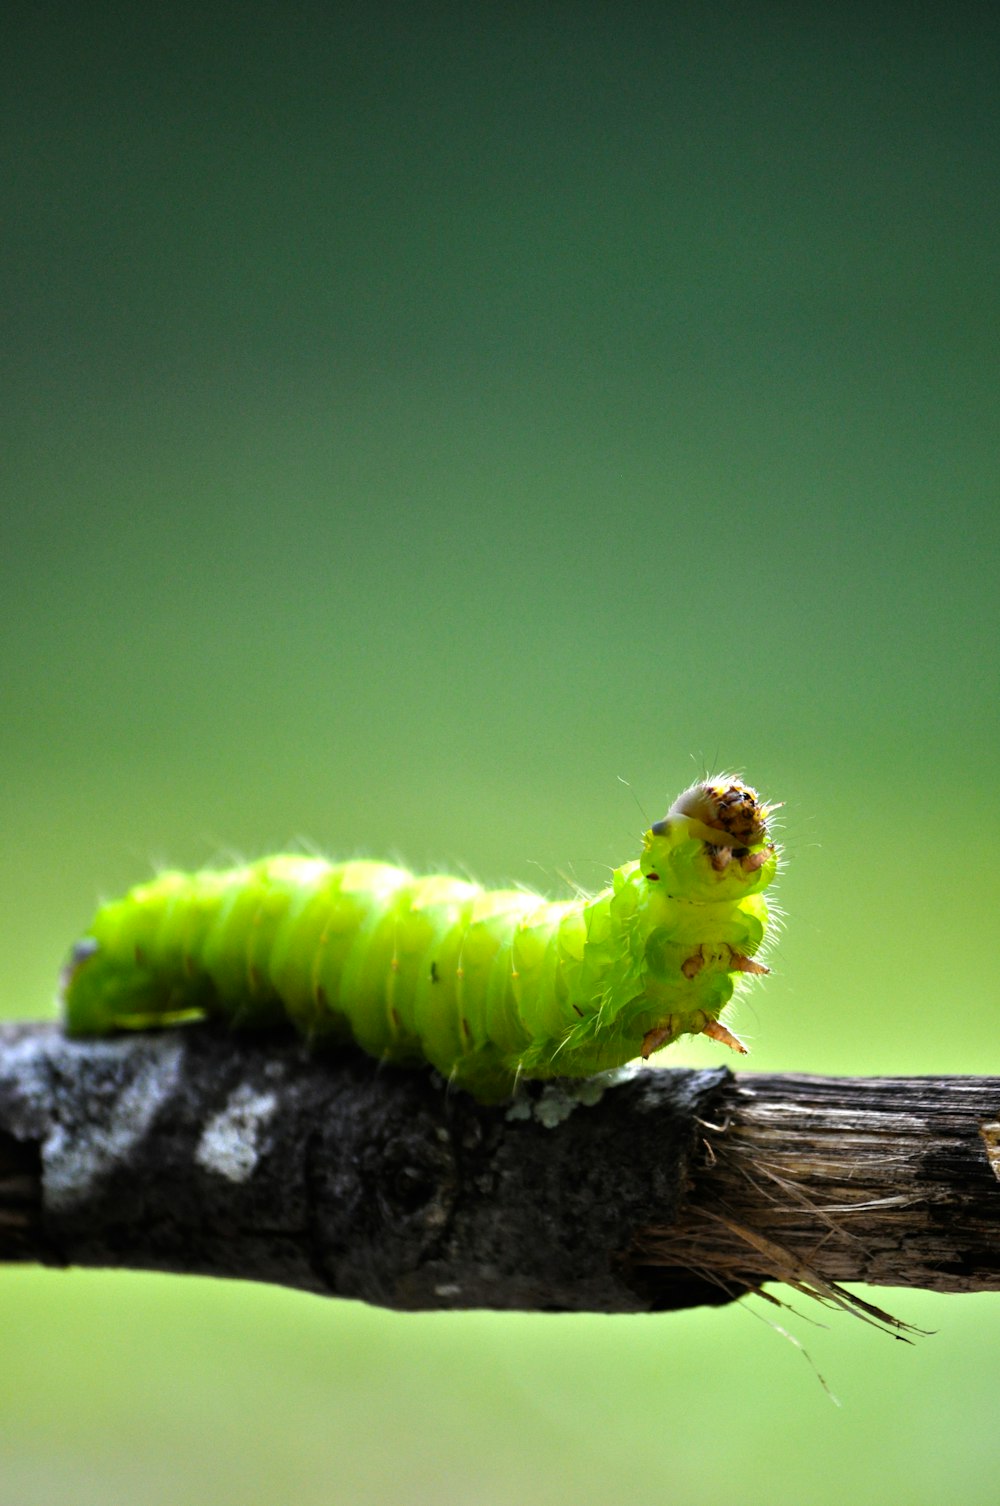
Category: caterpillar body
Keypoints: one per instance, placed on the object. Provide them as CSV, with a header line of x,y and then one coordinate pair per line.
x,y
486,985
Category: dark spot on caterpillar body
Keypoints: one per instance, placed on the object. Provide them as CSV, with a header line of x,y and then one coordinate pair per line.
x,y
487,986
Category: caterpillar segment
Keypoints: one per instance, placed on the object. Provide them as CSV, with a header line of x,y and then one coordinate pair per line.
x,y
485,985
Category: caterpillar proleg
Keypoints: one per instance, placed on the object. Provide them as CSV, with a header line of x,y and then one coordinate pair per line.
x,y
486,985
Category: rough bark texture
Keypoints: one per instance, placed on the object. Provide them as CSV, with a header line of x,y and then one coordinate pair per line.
x,y
245,1156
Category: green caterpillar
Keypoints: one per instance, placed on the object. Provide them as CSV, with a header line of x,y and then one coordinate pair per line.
x,y
487,986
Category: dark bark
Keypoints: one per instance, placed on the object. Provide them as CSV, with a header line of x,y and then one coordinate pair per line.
x,y
246,1156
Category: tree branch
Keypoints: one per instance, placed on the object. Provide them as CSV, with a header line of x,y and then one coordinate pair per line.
x,y
247,1156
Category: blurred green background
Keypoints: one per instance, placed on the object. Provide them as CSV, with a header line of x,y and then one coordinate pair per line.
x,y
419,419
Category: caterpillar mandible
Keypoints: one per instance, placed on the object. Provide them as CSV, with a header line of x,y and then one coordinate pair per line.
x,y
486,985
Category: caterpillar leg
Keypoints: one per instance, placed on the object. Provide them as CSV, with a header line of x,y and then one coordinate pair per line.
x,y
718,1032
662,1035
751,862
720,956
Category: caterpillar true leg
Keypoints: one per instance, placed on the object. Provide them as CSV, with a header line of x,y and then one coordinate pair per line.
x,y
716,1031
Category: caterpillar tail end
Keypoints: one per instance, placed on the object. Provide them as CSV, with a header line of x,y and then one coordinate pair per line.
x,y
99,994
77,1019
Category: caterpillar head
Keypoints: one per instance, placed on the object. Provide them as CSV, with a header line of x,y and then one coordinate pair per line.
x,y
712,843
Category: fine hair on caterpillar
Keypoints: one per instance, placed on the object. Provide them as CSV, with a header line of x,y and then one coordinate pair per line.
x,y
488,986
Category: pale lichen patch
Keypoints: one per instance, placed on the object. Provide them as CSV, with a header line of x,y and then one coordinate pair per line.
x,y
73,1163
230,1143
559,1099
